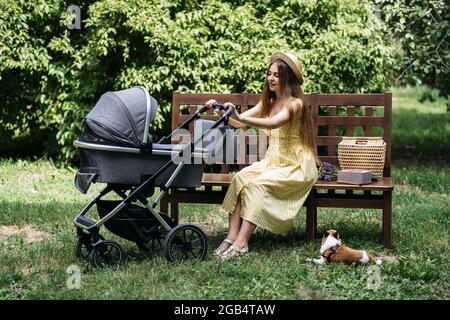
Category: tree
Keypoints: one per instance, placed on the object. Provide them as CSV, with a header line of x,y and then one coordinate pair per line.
x,y
422,29
50,77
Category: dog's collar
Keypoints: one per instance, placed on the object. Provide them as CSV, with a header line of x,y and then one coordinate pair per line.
x,y
330,242
333,250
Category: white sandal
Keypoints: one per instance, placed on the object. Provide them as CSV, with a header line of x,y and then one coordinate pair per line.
x,y
233,251
218,252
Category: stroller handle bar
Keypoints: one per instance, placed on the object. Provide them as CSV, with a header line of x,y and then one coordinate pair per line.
x,y
217,108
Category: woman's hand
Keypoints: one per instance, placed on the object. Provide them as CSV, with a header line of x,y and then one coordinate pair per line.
x,y
234,113
210,103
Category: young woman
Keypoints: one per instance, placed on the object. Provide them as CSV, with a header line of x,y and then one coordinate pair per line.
x,y
269,193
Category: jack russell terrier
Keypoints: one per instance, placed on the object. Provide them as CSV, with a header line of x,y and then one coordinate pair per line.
x,y
332,251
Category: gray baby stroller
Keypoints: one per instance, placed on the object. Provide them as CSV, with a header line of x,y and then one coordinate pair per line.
x,y
116,148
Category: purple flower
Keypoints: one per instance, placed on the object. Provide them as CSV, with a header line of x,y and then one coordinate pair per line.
x,y
327,172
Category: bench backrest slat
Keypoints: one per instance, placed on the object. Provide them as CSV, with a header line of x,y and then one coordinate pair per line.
x,y
331,132
334,115
368,112
350,121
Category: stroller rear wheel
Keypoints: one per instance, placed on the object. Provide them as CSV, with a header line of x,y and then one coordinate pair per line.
x,y
106,253
185,242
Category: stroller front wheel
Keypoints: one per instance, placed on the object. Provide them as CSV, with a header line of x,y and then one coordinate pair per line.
x,y
185,242
84,246
106,253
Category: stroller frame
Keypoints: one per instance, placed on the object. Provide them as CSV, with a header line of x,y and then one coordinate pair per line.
x,y
101,252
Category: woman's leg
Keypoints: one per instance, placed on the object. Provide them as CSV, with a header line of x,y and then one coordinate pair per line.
x,y
244,235
234,225
234,221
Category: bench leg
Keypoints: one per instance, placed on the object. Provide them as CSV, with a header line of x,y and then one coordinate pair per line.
x,y
174,211
387,220
164,204
311,218
164,207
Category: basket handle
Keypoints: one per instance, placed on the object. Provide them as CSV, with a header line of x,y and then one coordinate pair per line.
x,y
362,140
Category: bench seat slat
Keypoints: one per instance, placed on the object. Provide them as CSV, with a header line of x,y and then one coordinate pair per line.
x,y
346,203
216,179
224,179
385,184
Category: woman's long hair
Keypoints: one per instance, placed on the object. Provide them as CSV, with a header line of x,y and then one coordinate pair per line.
x,y
290,88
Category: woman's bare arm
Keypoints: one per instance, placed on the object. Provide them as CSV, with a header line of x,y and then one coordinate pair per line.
x,y
281,118
252,112
278,120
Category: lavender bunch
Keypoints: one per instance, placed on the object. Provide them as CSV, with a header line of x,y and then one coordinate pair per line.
x,y
327,172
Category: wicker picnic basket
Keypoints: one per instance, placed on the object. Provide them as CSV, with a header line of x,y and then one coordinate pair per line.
x,y
363,153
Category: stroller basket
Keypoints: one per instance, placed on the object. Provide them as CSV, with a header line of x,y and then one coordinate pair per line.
x,y
134,223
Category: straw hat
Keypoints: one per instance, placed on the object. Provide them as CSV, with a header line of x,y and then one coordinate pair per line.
x,y
292,61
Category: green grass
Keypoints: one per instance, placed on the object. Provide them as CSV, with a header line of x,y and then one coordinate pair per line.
x,y
420,129
40,195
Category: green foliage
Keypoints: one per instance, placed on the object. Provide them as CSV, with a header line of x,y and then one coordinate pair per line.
x,y
23,61
422,30
50,77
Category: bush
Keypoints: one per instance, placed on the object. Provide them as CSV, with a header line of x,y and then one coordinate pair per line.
x,y
50,77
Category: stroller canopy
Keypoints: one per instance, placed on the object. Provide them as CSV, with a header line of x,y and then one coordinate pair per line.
x,y
123,116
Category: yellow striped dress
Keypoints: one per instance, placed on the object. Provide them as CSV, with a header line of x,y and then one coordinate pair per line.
x,y
274,189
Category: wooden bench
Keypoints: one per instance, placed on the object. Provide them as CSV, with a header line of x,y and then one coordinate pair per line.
x,y
334,115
